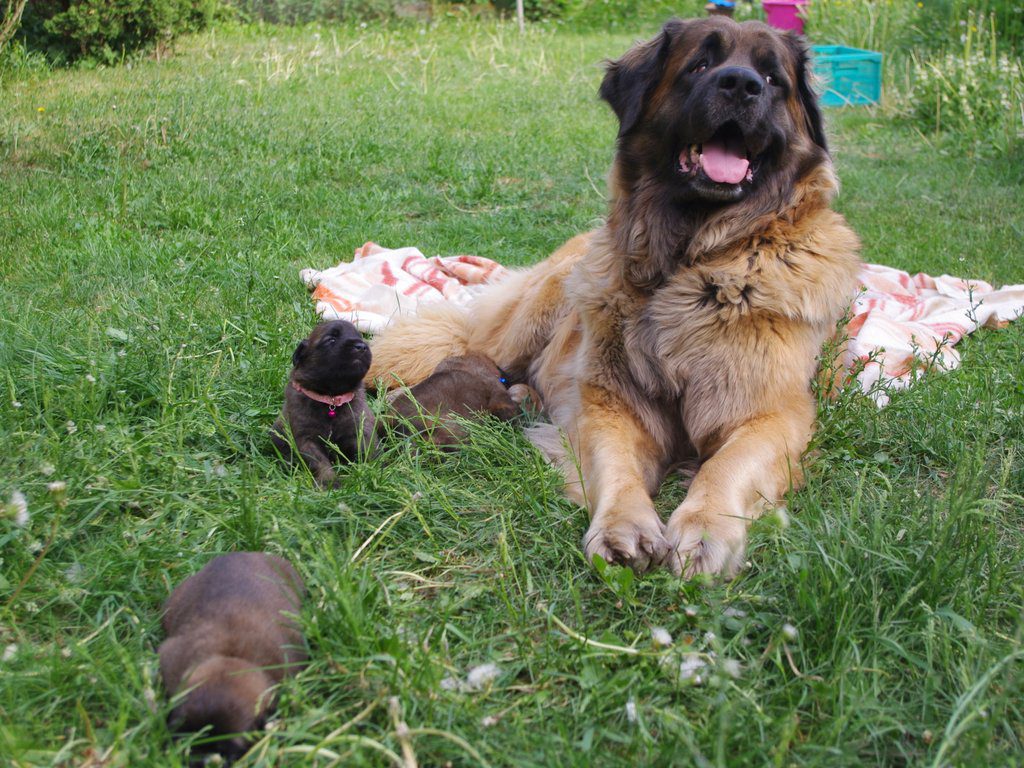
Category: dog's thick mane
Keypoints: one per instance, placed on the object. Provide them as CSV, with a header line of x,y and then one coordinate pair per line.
x,y
655,238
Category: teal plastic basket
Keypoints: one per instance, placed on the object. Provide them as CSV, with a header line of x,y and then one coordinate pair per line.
x,y
847,75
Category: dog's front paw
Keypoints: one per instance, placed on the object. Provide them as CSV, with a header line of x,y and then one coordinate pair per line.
x,y
637,542
703,543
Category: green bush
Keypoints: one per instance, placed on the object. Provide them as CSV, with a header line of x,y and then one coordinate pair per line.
x,y
105,31
975,93
305,11
877,25
579,12
942,23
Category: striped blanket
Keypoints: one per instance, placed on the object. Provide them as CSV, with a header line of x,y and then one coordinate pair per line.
x,y
900,324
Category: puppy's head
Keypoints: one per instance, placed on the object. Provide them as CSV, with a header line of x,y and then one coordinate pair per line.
x,y
474,364
229,695
333,360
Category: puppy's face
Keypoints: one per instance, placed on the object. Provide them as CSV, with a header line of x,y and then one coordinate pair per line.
x,y
230,696
333,359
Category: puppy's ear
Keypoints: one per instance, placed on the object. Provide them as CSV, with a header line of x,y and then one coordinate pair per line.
x,y
629,81
813,120
300,352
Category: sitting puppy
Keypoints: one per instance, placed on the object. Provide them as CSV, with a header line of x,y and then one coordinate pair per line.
x,y
325,401
460,386
229,639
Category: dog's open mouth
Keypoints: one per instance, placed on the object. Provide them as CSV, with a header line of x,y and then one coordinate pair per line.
x,y
724,158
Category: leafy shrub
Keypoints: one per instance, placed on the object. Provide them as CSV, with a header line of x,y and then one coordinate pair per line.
x,y
941,24
976,93
605,13
106,30
877,25
10,18
304,11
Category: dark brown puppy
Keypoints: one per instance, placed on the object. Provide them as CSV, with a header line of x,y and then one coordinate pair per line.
x,y
460,386
325,402
229,640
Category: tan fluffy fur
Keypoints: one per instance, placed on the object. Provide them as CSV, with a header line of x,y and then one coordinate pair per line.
x,y
712,360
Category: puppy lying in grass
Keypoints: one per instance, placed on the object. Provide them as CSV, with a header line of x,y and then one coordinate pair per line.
x,y
325,402
229,640
461,386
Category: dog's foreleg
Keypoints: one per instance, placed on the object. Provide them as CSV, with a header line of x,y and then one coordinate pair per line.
x,y
620,466
755,466
319,463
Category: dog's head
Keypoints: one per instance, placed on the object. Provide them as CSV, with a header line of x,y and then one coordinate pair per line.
x,y
228,695
711,110
333,359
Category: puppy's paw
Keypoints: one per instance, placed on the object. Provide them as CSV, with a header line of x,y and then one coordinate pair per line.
x,y
705,544
325,479
638,542
527,399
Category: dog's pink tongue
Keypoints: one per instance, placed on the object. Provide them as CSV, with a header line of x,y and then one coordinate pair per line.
x,y
723,166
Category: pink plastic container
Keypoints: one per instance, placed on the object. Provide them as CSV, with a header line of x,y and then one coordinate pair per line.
x,y
784,14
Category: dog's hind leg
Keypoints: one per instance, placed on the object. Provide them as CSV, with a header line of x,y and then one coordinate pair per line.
x,y
409,350
510,322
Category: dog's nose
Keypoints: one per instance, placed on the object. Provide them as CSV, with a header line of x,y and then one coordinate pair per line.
x,y
359,346
740,83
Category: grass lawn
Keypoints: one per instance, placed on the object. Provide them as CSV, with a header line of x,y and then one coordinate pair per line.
x,y
153,220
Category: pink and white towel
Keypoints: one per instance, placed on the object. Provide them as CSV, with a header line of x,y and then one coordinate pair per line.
x,y
380,284
900,324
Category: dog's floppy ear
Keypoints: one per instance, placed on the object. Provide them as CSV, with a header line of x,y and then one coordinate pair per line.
x,y
300,352
629,81
815,124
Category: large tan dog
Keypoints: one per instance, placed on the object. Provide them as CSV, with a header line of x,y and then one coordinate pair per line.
x,y
688,326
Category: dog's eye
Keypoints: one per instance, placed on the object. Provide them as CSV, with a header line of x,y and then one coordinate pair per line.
x,y
328,340
768,79
699,67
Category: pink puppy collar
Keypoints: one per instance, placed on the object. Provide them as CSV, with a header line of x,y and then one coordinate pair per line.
x,y
332,402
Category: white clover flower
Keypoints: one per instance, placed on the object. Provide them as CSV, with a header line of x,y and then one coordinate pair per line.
x,y
661,637
489,721
732,668
631,715
690,611
46,468
450,684
71,427
18,507
789,632
15,404
482,676
74,573
781,515
690,667
90,378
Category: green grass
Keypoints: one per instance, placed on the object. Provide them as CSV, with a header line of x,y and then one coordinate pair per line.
x,y
152,224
